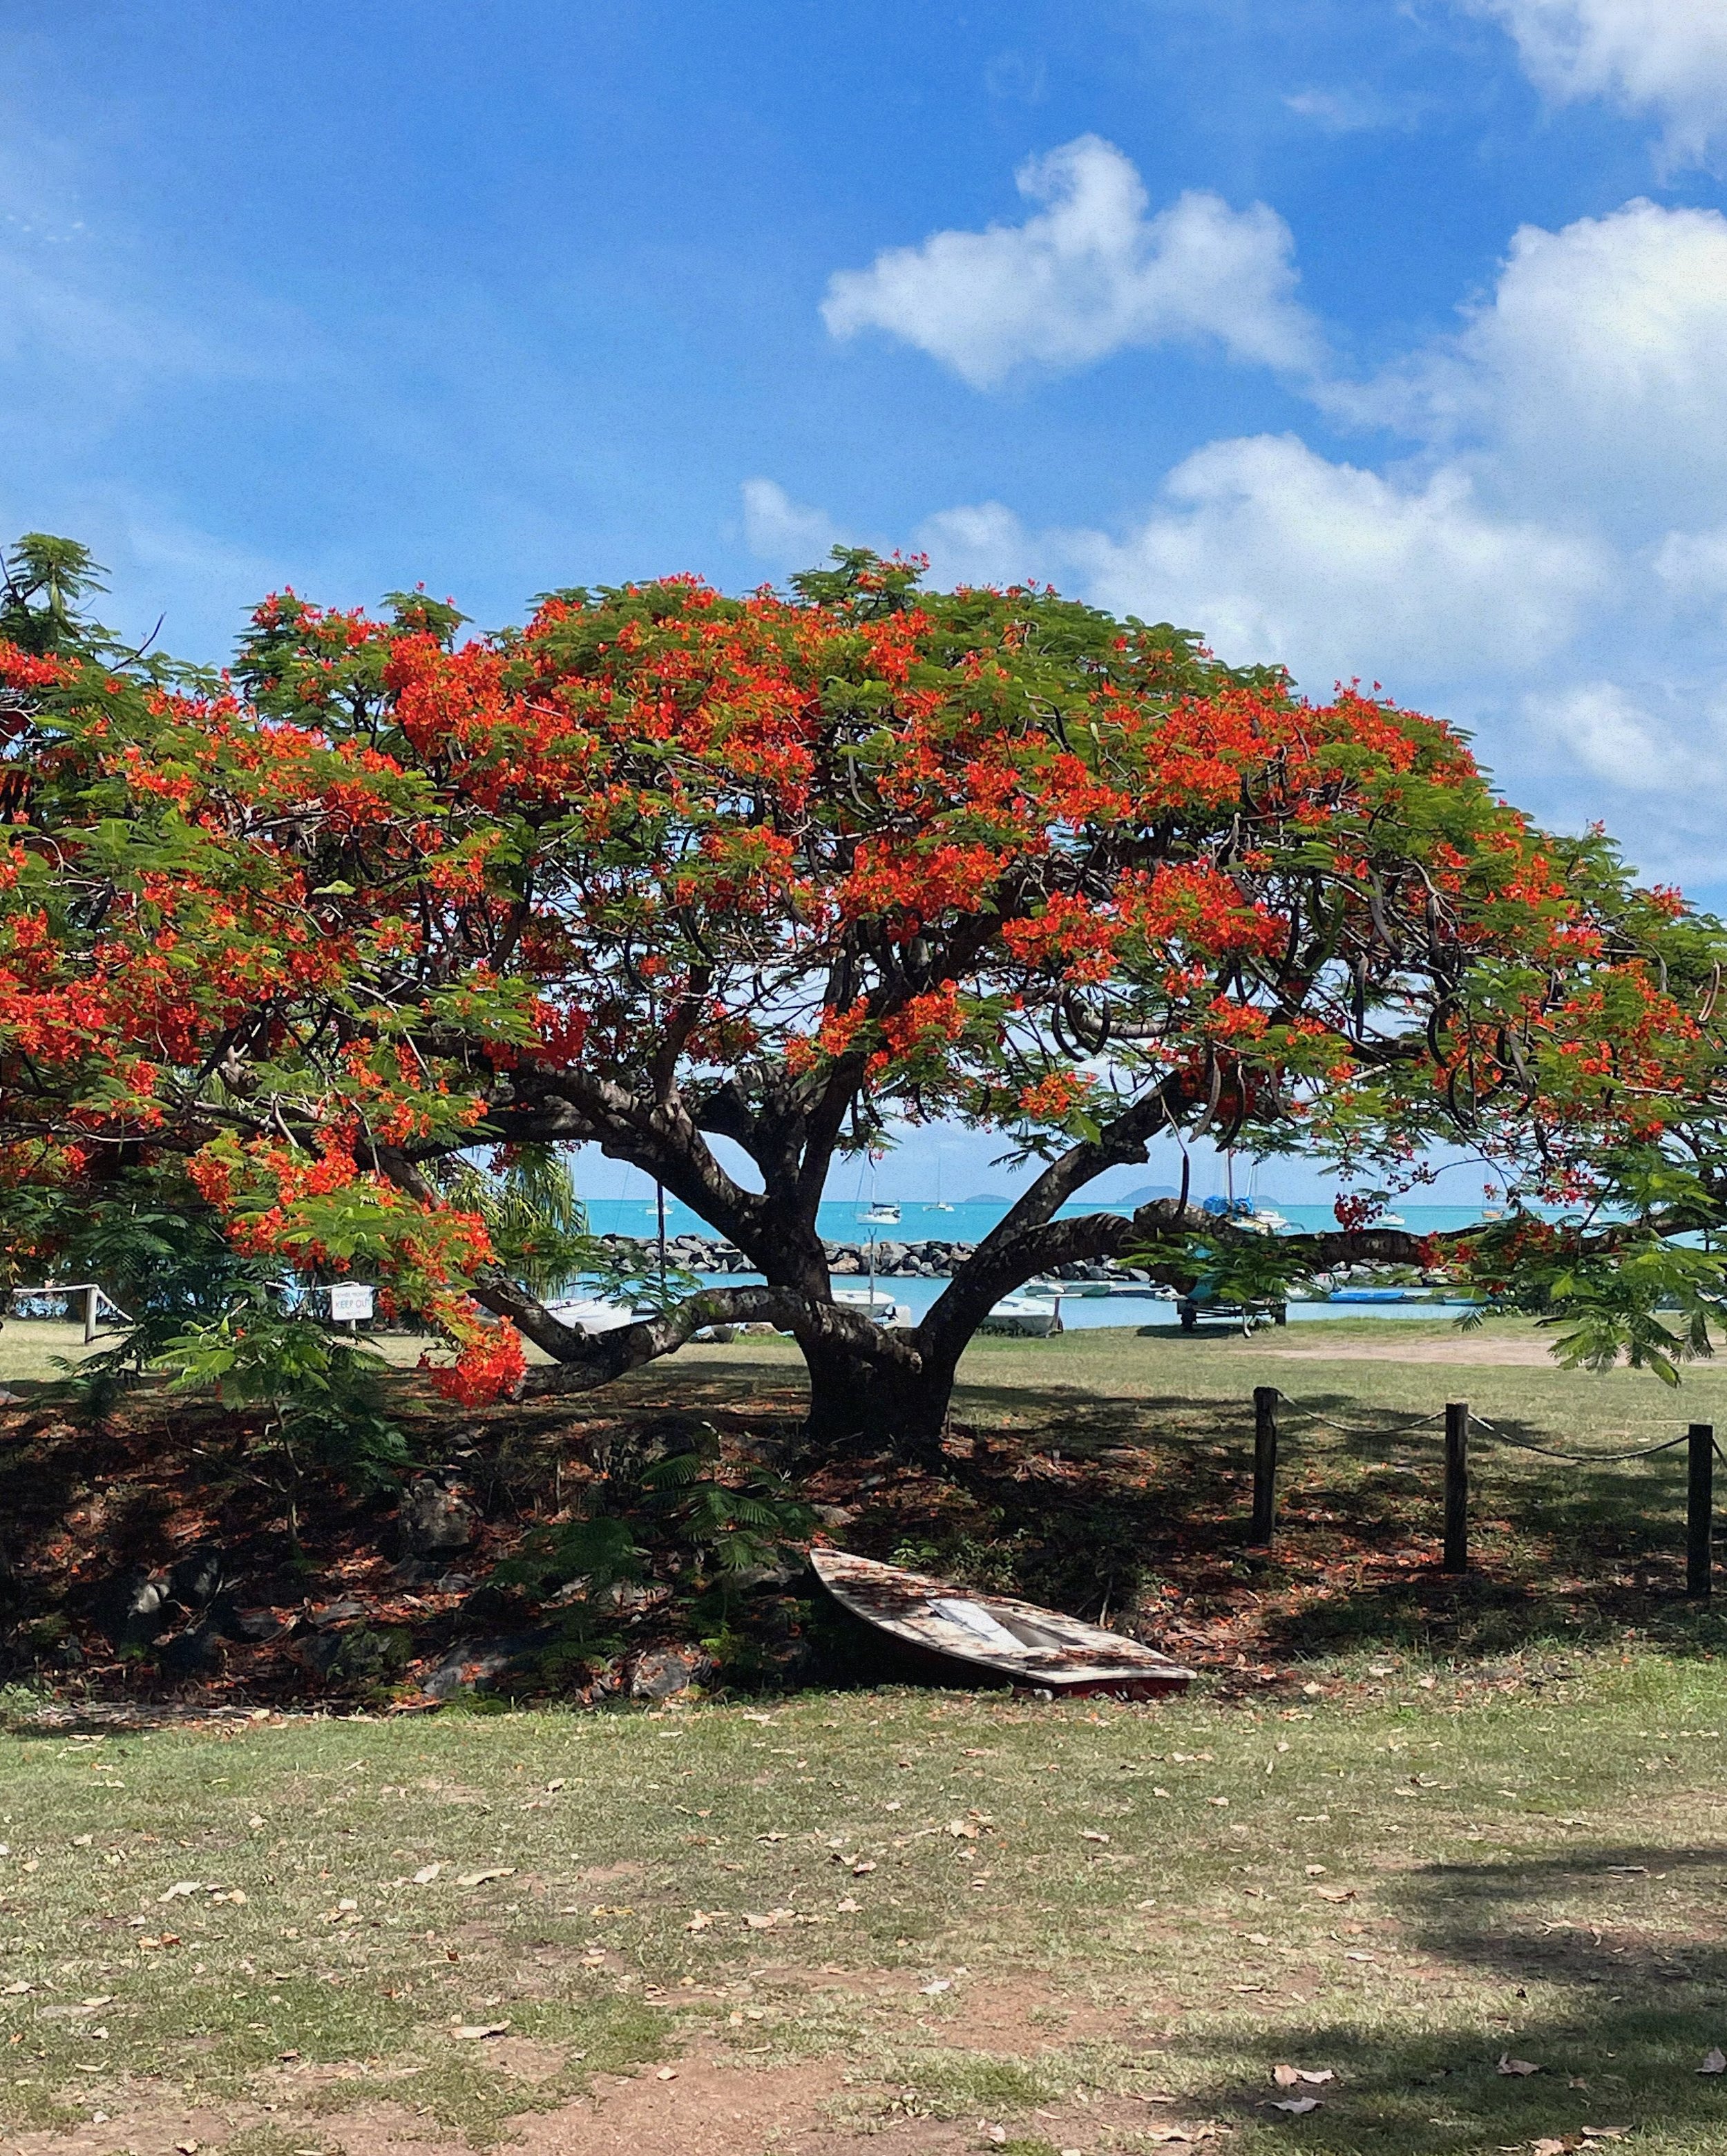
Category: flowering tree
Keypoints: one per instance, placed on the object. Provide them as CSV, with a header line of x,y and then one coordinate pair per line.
x,y
664,869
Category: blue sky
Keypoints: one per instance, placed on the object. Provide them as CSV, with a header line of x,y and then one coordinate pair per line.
x,y
1383,339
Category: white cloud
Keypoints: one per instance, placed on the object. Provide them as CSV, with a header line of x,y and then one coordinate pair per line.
x,y
1692,565
778,530
980,543
1275,553
1089,275
1547,564
1601,727
1352,109
1335,570
1667,58
1591,380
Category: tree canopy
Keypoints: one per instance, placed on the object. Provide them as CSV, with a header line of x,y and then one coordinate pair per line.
x,y
664,868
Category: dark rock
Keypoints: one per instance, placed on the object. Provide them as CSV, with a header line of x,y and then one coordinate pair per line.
x,y
469,1663
363,1654
260,1624
493,1605
129,1610
317,1651
198,1577
452,1582
606,1681
337,1613
663,1672
193,1653
435,1516
780,1570
472,1663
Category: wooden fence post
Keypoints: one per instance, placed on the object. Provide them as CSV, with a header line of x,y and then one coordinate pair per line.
x,y
1265,1466
1457,1486
1698,1510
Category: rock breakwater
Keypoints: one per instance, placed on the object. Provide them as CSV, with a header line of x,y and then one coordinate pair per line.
x,y
929,1259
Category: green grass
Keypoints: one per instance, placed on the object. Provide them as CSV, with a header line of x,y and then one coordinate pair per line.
x,y
1535,1870
1515,1779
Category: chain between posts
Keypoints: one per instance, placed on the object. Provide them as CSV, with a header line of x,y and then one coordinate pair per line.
x,y
1698,1437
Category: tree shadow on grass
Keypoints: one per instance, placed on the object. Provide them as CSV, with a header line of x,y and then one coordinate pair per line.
x,y
1639,2009
1090,1502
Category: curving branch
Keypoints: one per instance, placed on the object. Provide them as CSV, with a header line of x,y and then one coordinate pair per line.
x,y
609,1355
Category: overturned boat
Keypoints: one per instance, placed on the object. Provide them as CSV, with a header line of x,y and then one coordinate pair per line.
x,y
954,1635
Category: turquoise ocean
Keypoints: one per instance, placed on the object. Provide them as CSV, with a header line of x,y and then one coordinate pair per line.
x,y
841,1221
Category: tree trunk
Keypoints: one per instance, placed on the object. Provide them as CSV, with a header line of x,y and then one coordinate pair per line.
x,y
860,1402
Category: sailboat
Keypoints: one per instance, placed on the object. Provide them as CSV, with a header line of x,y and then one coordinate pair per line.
x,y
935,1204
879,1213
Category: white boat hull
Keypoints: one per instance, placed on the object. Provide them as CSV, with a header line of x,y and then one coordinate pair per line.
x,y
591,1315
1032,1649
1019,1318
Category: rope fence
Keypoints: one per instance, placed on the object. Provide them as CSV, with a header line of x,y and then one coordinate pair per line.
x,y
1698,1439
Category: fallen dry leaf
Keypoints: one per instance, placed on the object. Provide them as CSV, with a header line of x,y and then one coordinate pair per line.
x,y
1508,2065
1087,1834
1714,2062
699,1923
480,1878
1335,1893
1298,2106
666,2074
181,1886
473,2032
426,1874
1293,2076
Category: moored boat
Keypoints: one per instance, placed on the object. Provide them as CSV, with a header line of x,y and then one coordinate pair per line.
x,y
1023,1318
874,1303
590,1314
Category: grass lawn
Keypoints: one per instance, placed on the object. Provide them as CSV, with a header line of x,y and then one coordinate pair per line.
x,y
1404,1827
961,1921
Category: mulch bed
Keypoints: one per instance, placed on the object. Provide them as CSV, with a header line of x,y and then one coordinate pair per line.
x,y
1148,1537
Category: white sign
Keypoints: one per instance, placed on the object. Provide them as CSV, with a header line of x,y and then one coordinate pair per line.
x,y
351,1301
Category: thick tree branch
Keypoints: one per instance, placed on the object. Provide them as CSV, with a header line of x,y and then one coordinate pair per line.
x,y
608,1355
